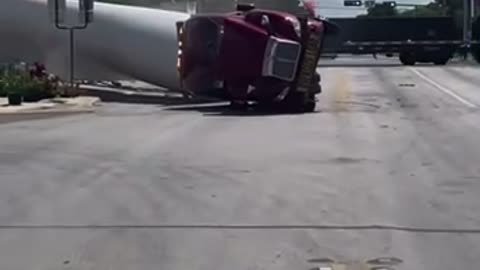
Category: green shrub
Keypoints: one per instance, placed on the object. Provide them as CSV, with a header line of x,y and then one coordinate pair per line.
x,y
35,90
31,89
3,92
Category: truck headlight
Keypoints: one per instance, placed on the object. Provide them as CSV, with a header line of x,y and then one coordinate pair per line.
x,y
296,25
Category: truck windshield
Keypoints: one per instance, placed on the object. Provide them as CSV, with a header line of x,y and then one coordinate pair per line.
x,y
202,40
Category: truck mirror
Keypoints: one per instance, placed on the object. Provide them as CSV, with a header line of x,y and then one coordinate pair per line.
x,y
57,10
266,23
245,7
85,14
352,3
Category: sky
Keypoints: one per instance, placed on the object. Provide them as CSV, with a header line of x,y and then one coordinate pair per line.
x,y
335,8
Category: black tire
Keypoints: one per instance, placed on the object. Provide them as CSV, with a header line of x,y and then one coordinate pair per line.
x,y
440,62
297,102
408,59
317,87
476,52
310,105
238,106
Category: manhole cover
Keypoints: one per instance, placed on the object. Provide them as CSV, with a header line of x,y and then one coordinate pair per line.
x,y
321,260
350,266
385,261
381,268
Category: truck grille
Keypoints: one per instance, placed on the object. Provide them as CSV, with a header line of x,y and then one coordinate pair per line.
x,y
281,59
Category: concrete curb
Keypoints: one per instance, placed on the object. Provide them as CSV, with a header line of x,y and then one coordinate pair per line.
x,y
48,111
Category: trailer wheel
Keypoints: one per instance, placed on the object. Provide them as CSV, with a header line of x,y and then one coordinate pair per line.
x,y
310,104
440,62
407,59
296,102
441,59
476,51
236,105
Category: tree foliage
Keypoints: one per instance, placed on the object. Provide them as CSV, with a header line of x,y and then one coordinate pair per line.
x,y
451,7
436,8
430,10
380,10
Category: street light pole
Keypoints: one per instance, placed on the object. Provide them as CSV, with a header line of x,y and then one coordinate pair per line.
x,y
472,9
466,21
72,57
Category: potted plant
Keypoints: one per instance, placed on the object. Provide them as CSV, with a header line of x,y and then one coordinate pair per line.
x,y
20,87
14,87
3,92
14,98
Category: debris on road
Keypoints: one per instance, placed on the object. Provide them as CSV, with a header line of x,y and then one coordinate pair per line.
x,y
164,97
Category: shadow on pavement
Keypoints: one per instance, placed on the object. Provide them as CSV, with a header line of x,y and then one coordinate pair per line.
x,y
342,65
175,102
224,109
383,63
371,64
168,99
10,118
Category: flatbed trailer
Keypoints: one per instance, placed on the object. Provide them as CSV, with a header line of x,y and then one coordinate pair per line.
x,y
421,39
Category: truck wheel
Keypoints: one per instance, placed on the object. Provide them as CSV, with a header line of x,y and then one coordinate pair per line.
x,y
440,62
310,105
238,105
476,51
296,102
407,59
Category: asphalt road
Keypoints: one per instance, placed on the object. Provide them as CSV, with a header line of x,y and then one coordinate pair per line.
x,y
389,165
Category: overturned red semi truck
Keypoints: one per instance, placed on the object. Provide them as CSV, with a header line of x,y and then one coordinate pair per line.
x,y
265,56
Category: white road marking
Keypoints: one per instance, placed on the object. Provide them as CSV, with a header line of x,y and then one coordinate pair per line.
x,y
444,89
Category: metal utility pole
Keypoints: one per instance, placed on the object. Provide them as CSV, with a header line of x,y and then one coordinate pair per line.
x,y
473,9
467,15
58,10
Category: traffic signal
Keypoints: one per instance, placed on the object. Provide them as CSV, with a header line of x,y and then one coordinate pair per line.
x,y
352,3
390,3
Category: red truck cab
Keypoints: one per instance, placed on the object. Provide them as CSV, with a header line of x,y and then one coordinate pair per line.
x,y
252,55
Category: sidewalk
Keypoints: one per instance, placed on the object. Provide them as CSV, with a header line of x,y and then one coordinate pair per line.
x,y
55,105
